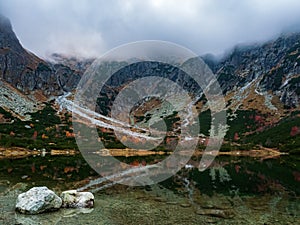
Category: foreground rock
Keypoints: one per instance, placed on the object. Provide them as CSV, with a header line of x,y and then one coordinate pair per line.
x,y
75,199
38,200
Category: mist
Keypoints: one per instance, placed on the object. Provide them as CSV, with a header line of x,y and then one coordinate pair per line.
x,y
90,28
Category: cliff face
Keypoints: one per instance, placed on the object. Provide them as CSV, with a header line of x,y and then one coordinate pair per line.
x,y
273,67
26,72
263,77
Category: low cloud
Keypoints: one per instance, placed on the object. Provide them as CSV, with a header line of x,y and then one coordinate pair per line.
x,y
89,28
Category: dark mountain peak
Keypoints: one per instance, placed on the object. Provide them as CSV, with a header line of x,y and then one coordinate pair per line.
x,y
276,45
5,24
270,67
211,60
27,72
8,39
74,62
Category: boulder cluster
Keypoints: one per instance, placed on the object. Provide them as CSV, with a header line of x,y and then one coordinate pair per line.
x,y
41,199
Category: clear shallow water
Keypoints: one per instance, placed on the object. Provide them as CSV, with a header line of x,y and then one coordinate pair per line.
x,y
233,191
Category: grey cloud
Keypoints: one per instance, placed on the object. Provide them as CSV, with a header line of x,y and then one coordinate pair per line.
x,y
89,28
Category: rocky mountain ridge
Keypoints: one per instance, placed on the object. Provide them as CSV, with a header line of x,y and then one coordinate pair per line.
x,y
248,75
26,72
261,86
274,67
31,79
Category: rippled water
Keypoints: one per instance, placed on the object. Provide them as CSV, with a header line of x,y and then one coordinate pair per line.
x,y
232,191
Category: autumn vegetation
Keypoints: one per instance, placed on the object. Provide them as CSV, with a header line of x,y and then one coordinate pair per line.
x,y
248,129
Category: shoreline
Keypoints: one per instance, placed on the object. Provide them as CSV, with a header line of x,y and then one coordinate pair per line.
x,y
17,152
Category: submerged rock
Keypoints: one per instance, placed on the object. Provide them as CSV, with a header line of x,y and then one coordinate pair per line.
x,y
225,214
77,211
44,219
75,199
38,200
60,217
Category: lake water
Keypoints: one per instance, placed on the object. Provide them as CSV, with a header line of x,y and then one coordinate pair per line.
x,y
234,190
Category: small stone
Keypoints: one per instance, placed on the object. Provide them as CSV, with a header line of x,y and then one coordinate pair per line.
x,y
24,177
171,203
207,206
225,214
75,199
210,220
185,205
159,199
38,200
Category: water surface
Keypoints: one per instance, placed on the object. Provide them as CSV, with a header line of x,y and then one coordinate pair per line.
x,y
234,190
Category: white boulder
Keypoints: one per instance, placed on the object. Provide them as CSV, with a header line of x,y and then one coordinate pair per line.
x,y
75,199
38,200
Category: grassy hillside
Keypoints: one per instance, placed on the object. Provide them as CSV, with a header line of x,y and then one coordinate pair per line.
x,y
45,130
285,135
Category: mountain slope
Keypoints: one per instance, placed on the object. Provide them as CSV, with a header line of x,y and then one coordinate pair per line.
x,y
261,86
271,69
20,68
30,79
27,72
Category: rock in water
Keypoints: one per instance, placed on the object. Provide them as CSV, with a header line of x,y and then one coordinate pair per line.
x,y
38,200
225,214
75,199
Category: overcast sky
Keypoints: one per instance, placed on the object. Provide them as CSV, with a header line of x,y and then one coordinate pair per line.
x,y
91,27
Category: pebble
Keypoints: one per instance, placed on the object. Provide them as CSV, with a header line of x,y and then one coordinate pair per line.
x,y
24,177
185,205
225,214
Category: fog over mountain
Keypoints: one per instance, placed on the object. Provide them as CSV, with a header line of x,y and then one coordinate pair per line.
x,y
89,28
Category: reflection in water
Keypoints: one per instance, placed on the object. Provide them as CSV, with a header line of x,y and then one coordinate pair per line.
x,y
50,218
231,175
233,190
